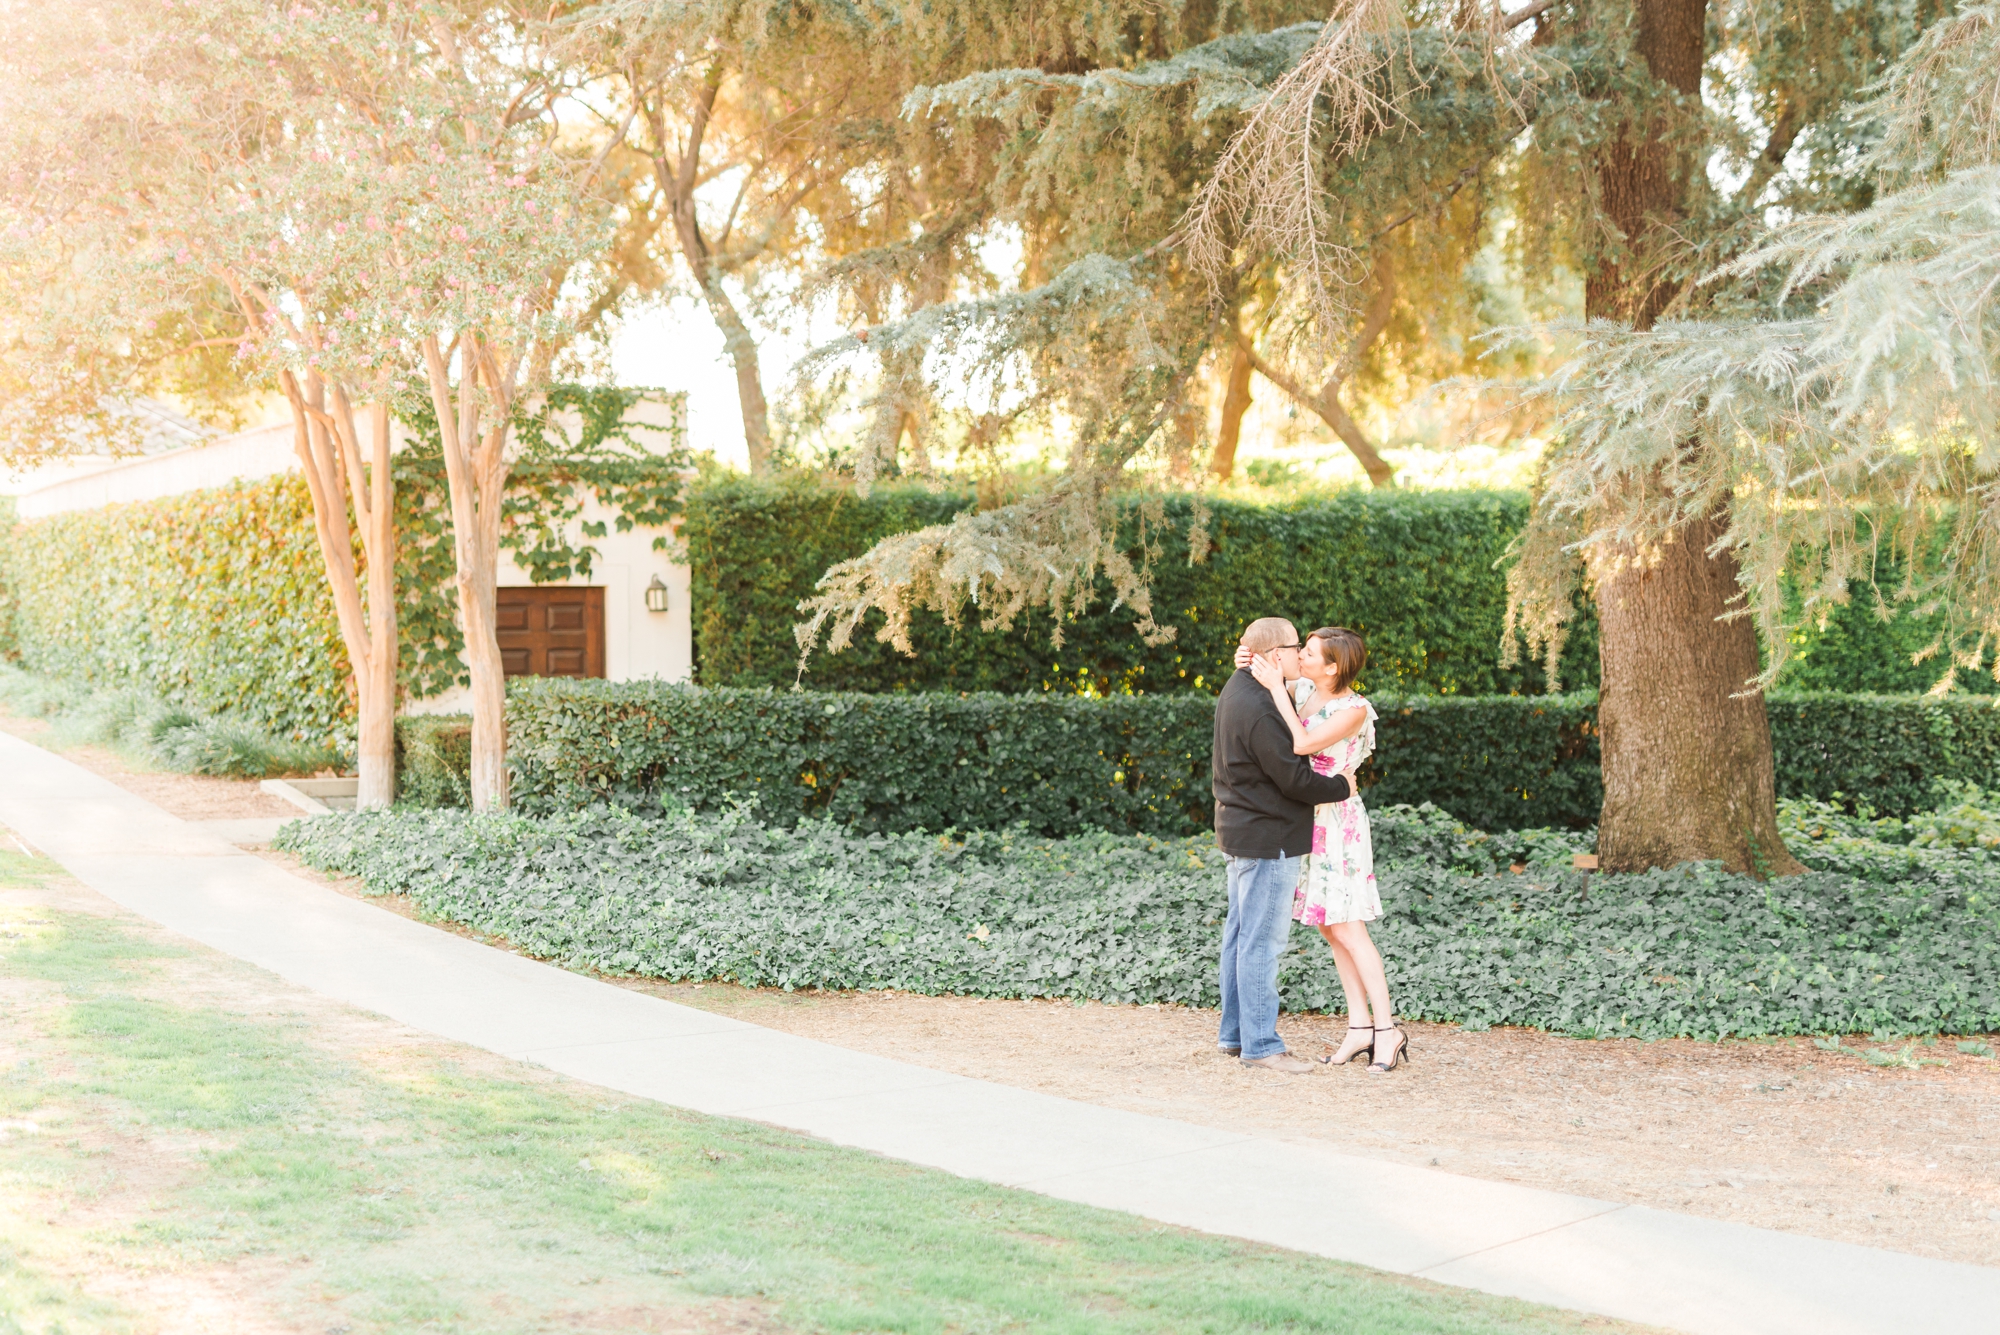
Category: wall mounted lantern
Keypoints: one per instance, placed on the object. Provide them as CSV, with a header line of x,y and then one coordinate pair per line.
x,y
656,596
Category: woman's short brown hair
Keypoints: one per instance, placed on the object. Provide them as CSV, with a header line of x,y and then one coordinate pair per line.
x,y
1344,649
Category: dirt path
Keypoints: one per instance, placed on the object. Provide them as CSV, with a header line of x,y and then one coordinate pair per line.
x,y
1780,1135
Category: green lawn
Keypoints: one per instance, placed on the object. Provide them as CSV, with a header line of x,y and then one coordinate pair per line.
x,y
377,1186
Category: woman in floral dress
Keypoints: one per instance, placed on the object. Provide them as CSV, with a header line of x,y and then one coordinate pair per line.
x,y
1337,891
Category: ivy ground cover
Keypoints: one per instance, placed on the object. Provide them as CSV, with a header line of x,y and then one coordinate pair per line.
x,y
1896,931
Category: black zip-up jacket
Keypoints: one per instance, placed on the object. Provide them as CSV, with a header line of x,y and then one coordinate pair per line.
x,y
1264,794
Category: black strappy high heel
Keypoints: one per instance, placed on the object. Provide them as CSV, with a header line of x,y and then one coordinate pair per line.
x,y
1353,1029
1397,1058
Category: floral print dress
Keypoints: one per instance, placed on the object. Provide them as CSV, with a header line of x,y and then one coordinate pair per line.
x,y
1338,882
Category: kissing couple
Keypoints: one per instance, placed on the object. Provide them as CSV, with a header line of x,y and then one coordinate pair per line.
x,y
1290,732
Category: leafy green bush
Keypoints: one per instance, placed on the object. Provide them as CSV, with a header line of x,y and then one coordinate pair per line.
x,y
1124,918
1062,763
1412,571
434,760
214,599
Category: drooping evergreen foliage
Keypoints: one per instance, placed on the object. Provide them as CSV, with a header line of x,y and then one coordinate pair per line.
x,y
1307,178
1840,402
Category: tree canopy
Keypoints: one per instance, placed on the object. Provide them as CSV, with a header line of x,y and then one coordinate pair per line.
x,y
1299,178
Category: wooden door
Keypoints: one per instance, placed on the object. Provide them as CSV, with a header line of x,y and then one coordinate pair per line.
x,y
551,632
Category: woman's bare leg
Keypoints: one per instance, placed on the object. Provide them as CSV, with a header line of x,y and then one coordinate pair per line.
x,y
1368,964
1360,1024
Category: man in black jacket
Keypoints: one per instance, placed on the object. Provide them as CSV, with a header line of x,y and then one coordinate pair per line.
x,y
1264,799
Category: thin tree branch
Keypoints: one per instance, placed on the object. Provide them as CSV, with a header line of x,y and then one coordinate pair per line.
x,y
1509,22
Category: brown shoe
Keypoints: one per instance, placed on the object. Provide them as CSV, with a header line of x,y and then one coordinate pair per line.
x,y
1283,1062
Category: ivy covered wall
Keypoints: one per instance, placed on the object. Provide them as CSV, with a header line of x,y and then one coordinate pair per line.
x,y
217,599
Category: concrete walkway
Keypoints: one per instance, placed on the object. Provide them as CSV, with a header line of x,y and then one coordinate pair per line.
x,y
1627,1261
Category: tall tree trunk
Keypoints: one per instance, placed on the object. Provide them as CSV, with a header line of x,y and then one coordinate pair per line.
x,y
1235,402
340,473
677,182
378,724
1688,772
475,466
741,345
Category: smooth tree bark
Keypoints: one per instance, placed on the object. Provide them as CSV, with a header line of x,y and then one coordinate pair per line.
x,y
474,436
343,471
1688,770
1235,403
1325,400
677,180
901,411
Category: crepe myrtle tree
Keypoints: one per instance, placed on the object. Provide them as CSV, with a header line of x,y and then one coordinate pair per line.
x,y
214,195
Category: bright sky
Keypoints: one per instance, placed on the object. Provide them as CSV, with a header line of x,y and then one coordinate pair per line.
x,y
677,346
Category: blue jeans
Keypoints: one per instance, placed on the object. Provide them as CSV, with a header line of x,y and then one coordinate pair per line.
x,y
1260,917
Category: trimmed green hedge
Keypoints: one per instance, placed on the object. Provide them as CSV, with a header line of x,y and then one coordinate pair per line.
x,y
1061,763
1414,572
1057,763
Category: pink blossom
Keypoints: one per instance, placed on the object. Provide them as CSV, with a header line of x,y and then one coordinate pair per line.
x,y
457,233
530,206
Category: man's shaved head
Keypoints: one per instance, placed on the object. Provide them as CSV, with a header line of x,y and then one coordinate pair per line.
x,y
1267,633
